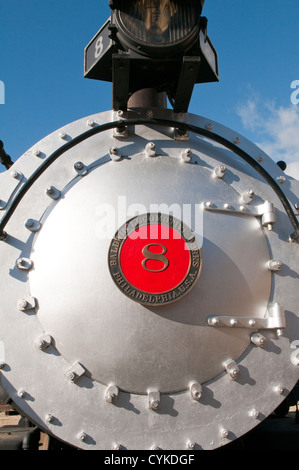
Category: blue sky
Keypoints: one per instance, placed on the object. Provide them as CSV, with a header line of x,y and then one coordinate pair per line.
x,y
41,67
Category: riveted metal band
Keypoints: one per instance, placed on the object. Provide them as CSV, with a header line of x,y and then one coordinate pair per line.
x,y
187,127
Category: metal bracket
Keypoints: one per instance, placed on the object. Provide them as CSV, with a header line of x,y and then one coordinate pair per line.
x,y
273,319
75,372
121,66
186,82
266,210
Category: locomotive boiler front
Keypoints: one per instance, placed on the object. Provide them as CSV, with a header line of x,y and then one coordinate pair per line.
x,y
149,257
149,283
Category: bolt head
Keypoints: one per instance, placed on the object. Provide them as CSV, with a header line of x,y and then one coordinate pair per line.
x,y
224,433
29,223
71,376
255,414
79,166
22,304
82,436
14,174
154,404
21,393
49,418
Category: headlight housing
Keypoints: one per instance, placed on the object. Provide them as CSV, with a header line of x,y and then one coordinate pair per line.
x,y
158,27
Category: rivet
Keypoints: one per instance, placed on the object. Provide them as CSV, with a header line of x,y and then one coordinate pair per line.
x,y
274,265
116,446
82,436
242,208
21,393
53,193
43,342
219,171
209,126
14,174
2,365
186,155
209,204
191,445
32,225
195,390
149,113
224,433
114,154
247,196
279,390
281,179
79,166
29,223
120,112
90,122
153,400
150,149
26,304
70,376
22,304
62,135
254,414
226,206
111,393
24,264
213,321
49,418
37,153
236,140
233,322
232,369
260,159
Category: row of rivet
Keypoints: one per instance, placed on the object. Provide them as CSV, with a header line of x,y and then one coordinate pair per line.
x,y
63,136
150,151
112,392
260,158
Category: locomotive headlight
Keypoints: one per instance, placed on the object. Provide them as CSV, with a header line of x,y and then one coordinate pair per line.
x,y
158,45
157,27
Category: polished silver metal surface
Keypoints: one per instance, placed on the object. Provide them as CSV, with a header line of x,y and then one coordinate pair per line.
x,y
97,369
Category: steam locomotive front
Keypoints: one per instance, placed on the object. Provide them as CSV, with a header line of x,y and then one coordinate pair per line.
x,y
149,280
